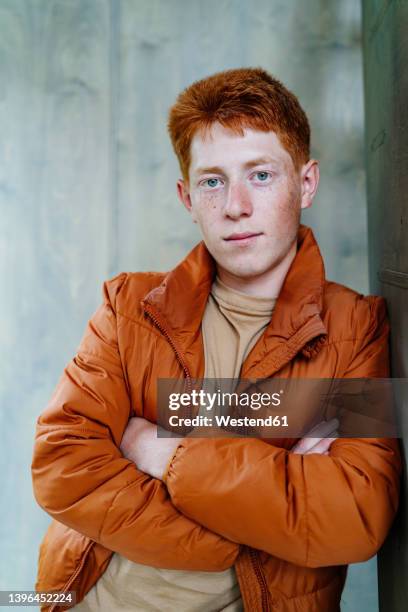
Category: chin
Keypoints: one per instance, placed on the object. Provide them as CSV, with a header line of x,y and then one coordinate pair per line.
x,y
246,271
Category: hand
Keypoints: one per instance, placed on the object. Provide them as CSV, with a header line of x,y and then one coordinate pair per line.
x,y
317,440
141,445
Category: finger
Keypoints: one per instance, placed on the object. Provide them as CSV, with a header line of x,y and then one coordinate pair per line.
x,y
319,441
321,447
306,445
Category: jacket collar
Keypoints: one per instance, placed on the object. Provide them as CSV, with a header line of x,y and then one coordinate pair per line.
x,y
180,300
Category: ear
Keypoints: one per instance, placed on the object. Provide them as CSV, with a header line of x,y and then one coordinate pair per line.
x,y
309,181
183,193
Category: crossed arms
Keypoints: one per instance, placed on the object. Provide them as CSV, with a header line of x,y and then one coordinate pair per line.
x,y
307,508
152,455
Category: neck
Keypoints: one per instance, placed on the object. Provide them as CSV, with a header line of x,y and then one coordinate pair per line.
x,y
267,284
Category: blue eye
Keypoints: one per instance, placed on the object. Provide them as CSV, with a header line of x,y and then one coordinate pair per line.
x,y
262,176
212,182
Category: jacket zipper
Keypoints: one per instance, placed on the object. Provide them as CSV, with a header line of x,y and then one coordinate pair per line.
x,y
261,579
164,331
74,575
159,324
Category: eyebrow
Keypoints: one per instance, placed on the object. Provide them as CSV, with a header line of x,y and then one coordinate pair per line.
x,y
252,162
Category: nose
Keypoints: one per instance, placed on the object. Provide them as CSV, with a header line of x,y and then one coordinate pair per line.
x,y
238,201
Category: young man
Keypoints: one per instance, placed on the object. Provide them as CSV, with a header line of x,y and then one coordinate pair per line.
x,y
146,523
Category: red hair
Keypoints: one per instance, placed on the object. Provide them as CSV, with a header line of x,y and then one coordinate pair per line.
x,y
239,98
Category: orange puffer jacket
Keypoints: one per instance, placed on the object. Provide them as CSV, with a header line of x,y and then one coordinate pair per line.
x,y
290,523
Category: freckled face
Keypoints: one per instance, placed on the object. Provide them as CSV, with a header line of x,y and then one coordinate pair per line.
x,y
246,197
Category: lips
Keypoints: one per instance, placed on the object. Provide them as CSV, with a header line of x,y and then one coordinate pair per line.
x,y
243,236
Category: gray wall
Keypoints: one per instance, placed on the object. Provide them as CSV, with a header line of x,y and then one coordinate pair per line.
x,y
87,180
386,86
